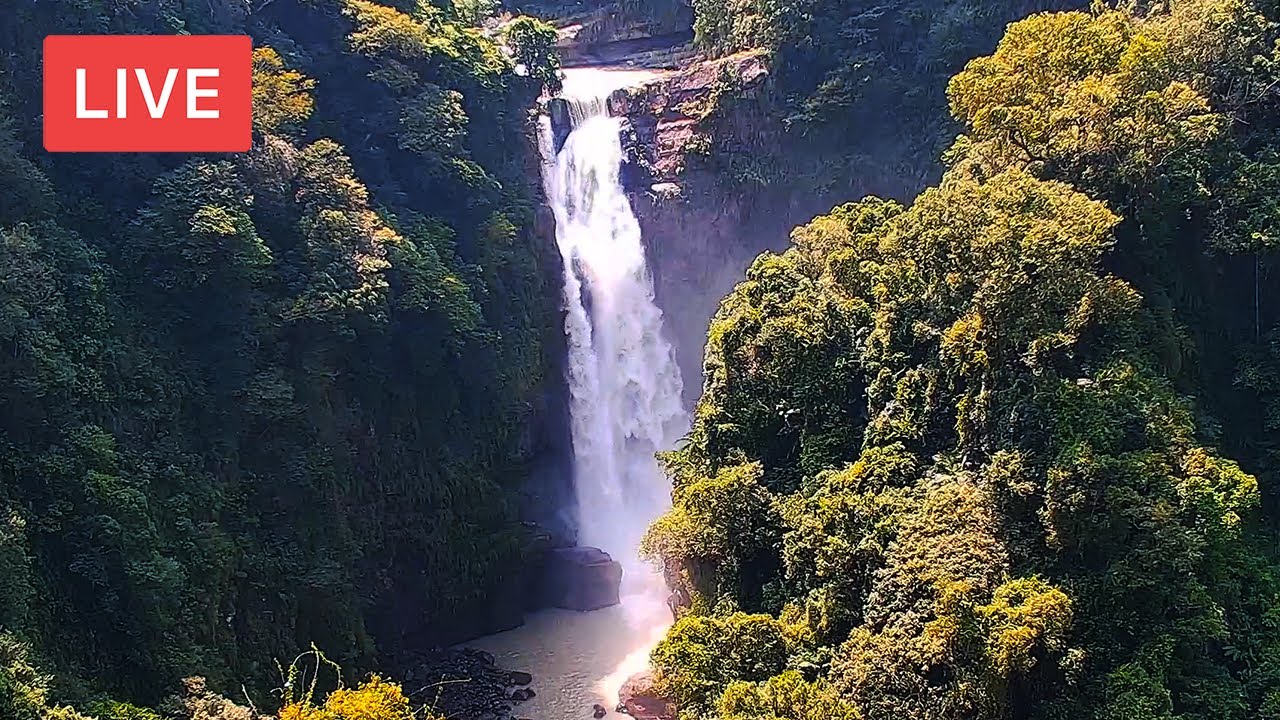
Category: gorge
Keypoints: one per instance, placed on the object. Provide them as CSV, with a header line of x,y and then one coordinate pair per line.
x,y
929,348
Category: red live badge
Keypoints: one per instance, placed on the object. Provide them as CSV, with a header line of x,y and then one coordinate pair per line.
x,y
148,93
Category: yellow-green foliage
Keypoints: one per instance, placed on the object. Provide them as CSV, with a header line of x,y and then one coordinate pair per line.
x,y
701,655
532,42
282,98
783,697
1115,103
968,258
716,531
1093,95
384,30
112,710
950,536
374,699
993,500
837,535
24,691
402,41
777,326
344,238
1024,616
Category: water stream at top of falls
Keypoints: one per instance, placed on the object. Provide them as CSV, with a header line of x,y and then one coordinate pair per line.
x,y
625,406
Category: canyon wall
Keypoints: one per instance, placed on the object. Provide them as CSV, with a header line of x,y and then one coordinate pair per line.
x,y
716,180
727,154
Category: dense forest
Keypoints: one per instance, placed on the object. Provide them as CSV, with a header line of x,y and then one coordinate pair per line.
x,y
1006,450
857,91
260,401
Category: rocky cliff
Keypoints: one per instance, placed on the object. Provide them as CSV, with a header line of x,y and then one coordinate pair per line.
x,y
716,179
700,229
726,155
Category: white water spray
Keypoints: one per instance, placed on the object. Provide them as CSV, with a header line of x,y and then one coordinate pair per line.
x,y
625,387
624,384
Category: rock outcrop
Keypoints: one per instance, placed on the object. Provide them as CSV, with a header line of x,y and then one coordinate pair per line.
x,y
581,578
701,227
639,699
669,114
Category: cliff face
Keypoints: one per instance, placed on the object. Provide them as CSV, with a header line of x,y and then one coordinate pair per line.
x,y
700,230
726,156
717,180
651,33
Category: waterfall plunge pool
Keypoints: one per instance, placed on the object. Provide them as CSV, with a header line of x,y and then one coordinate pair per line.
x,y
579,659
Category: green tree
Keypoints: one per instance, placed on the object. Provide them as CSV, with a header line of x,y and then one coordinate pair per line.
x,y
533,43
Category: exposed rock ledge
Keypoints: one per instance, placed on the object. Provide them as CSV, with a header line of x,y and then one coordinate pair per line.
x,y
666,113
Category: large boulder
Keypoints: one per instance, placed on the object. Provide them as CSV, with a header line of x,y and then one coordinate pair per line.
x,y
543,543
640,700
581,578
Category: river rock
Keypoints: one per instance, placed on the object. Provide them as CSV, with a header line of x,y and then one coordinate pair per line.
x,y
458,682
640,700
598,711
521,694
582,578
561,121
520,678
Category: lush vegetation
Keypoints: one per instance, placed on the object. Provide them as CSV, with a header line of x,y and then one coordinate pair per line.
x,y
260,401
1008,451
857,92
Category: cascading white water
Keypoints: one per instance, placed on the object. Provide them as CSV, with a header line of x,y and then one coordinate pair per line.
x,y
625,405
624,384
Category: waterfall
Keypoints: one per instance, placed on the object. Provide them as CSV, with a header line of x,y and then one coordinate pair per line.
x,y
625,387
583,109
624,402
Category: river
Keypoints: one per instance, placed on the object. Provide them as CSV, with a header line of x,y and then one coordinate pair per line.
x,y
579,659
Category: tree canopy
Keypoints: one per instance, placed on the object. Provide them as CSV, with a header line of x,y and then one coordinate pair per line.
x,y
996,453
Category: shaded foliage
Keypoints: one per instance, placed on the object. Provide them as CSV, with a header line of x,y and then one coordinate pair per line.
x,y
857,91
258,401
